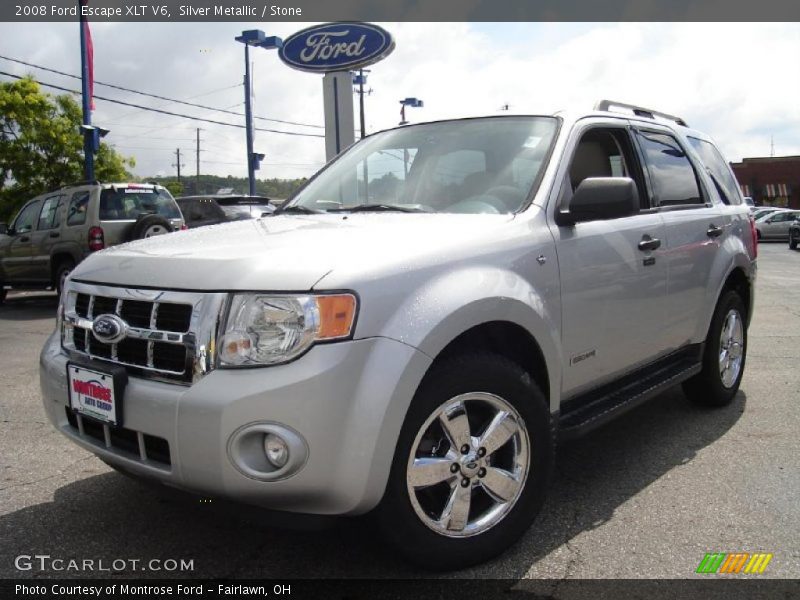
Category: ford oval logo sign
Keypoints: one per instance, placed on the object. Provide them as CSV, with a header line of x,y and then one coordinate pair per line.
x,y
336,47
109,329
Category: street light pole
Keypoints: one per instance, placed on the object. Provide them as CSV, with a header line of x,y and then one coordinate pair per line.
x,y
88,144
253,37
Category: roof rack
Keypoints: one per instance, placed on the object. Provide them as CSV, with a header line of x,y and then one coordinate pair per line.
x,y
77,183
604,105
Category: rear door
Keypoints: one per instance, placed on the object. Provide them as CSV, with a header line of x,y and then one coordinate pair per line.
x,y
613,287
46,235
16,249
694,230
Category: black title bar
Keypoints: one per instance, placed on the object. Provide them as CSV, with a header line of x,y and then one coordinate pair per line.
x,y
403,10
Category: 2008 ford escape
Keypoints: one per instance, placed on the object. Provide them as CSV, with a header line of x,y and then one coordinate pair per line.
x,y
411,332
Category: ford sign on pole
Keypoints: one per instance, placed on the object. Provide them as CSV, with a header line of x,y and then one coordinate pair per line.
x,y
336,47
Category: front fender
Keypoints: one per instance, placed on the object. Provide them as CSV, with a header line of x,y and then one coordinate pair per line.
x,y
454,301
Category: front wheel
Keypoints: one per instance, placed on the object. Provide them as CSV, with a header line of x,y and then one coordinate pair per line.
x,y
724,355
471,466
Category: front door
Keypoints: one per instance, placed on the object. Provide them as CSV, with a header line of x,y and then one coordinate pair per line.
x,y
16,248
613,286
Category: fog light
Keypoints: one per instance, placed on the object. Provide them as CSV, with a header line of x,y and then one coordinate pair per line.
x,y
276,450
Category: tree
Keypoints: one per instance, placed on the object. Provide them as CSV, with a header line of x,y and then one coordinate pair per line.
x,y
175,187
41,145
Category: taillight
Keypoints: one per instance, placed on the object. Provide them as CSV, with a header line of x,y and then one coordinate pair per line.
x,y
184,227
754,233
96,239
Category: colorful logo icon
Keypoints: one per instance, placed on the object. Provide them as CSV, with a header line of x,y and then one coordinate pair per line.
x,y
737,562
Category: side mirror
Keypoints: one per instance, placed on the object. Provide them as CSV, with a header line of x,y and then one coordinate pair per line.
x,y
3,228
601,198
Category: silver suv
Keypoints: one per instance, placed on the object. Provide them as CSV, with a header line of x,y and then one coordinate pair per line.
x,y
55,231
410,333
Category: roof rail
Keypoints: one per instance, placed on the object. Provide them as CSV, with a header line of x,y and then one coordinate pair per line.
x,y
604,105
77,183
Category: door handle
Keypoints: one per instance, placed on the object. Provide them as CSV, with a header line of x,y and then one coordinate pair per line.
x,y
54,234
714,231
24,238
649,243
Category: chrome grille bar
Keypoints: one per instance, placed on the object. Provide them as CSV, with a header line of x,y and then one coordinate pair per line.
x,y
152,352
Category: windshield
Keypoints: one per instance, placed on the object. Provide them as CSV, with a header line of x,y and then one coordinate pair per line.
x,y
130,203
471,166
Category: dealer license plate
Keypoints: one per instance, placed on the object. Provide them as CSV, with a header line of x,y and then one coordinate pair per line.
x,y
92,393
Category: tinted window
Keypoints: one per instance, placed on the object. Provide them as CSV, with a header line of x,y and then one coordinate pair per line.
x,y
130,203
718,169
76,211
26,218
49,217
673,178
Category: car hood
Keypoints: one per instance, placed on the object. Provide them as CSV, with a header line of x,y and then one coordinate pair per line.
x,y
287,252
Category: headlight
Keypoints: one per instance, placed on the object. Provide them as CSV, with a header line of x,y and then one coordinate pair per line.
x,y
266,329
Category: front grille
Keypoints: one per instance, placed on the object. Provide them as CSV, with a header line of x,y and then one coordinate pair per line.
x,y
132,444
162,329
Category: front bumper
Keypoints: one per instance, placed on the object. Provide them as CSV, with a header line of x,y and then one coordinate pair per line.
x,y
347,401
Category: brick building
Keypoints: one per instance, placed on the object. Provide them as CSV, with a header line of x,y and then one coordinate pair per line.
x,y
771,181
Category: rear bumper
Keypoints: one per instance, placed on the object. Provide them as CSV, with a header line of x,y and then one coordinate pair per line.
x,y
347,401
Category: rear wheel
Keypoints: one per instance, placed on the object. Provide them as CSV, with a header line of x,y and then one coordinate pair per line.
x,y
724,355
793,240
63,270
471,466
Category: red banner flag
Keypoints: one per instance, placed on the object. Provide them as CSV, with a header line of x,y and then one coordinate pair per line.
x,y
89,55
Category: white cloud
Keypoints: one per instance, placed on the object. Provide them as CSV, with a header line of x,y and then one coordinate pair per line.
x,y
734,81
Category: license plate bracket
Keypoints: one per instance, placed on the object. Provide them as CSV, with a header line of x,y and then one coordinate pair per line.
x,y
97,391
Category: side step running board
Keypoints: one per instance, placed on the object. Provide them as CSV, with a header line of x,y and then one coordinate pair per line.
x,y
595,408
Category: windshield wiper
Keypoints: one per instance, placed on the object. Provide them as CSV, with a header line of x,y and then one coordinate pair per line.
x,y
380,208
297,209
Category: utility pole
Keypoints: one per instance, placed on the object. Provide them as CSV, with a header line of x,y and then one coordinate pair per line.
x,y
197,180
178,162
772,145
360,80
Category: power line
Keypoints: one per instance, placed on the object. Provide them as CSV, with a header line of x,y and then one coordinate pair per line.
x,y
124,89
167,112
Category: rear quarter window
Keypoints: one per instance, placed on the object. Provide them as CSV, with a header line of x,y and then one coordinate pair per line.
x,y
718,169
129,204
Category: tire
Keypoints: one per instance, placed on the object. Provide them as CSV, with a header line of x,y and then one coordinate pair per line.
x,y
407,514
63,270
149,226
792,240
710,387
3,293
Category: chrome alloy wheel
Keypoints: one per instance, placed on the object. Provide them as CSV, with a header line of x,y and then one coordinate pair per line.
x,y
731,348
468,464
155,230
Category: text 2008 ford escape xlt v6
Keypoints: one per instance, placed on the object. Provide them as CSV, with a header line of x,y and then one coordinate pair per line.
x,y
409,334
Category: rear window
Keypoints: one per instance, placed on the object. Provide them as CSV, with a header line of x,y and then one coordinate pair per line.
x,y
128,204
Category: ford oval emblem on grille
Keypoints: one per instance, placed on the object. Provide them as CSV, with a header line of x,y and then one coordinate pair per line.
x,y
109,329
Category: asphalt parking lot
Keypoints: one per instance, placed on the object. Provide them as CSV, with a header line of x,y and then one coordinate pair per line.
x,y
645,497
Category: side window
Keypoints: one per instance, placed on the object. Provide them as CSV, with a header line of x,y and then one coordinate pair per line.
x,y
76,210
672,175
26,218
50,215
718,169
606,153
